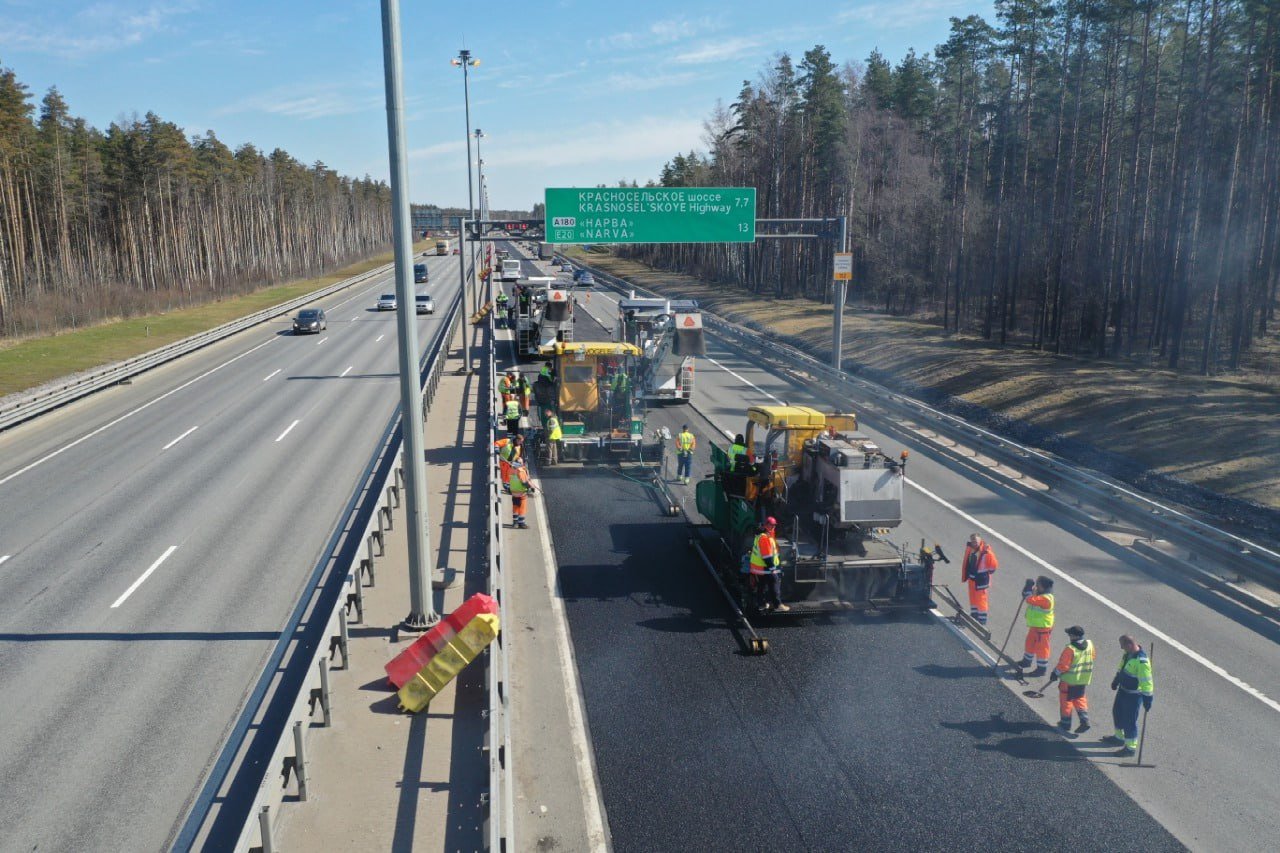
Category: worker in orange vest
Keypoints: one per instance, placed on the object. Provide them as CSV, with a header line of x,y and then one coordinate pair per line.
x,y
1073,673
979,564
1038,595
763,566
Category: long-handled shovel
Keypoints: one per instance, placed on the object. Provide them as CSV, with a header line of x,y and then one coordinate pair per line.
x,y
1142,735
1000,657
1039,693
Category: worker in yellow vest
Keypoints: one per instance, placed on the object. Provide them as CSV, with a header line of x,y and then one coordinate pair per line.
x,y
511,414
1038,595
685,445
1075,672
520,488
554,434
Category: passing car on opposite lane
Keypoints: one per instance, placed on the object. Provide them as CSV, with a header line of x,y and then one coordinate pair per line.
x,y
425,304
310,321
387,302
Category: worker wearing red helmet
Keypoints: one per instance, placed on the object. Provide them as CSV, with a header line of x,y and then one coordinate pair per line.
x,y
764,565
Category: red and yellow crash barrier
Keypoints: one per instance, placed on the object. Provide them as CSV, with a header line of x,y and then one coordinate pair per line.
x,y
423,669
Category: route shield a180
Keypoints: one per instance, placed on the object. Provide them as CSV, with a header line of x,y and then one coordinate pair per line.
x,y
651,215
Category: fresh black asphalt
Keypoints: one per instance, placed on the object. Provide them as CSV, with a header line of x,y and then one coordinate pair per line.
x,y
874,732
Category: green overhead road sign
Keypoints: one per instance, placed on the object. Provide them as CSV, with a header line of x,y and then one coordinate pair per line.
x,y
651,215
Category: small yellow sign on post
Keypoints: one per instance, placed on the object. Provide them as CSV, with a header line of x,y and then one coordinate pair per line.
x,y
843,266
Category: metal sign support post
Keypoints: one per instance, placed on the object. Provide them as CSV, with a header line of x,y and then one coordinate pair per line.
x,y
422,614
463,226
837,312
837,316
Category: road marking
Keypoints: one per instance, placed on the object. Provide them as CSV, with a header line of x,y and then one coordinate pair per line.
x,y
345,372
1102,599
322,340
287,429
378,338
179,438
569,671
353,319
741,378
272,373
128,592
129,414
5,557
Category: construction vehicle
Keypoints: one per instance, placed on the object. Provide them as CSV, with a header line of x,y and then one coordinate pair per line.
x,y
833,492
546,251
543,315
593,394
442,247
669,334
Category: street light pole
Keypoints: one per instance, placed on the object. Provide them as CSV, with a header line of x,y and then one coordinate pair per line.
x,y
465,61
478,247
422,614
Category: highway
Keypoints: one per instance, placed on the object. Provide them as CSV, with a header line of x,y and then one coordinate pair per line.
x,y
155,538
645,621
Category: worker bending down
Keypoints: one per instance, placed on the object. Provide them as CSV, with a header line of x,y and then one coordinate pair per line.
x,y
764,567
520,489
1038,595
1075,669
979,564
1134,686
510,449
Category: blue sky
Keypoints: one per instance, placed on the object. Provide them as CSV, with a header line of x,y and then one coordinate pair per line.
x,y
568,93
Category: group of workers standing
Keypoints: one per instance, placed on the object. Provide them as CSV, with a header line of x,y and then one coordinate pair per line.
x,y
1133,682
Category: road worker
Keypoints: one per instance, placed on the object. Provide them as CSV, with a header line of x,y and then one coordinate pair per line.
x,y
507,386
546,373
1075,670
621,386
554,434
523,390
763,566
500,310
520,489
1135,686
979,564
509,450
738,459
685,445
511,414
1038,595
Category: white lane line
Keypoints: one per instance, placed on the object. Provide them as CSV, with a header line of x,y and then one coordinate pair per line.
x,y
345,372
741,378
272,373
179,438
573,699
353,319
4,557
378,338
287,429
128,592
129,414
1102,599
322,340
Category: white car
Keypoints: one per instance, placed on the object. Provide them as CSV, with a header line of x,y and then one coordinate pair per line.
x,y
425,304
387,302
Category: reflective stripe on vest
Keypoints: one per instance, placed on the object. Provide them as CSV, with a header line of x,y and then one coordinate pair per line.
x,y
758,556
553,429
1081,669
1040,617
1135,674
685,442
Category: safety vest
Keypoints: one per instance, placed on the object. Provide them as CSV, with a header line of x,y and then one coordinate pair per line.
x,y
685,443
522,385
764,554
512,411
1135,673
510,451
553,429
734,452
545,372
518,481
1081,669
506,386
502,298
1038,616
621,383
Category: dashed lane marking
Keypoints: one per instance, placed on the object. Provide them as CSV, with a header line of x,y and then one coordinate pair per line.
x,y
345,372
742,378
272,373
179,438
287,430
128,592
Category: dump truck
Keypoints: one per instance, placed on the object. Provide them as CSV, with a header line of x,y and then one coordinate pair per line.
x,y
668,333
834,494
592,392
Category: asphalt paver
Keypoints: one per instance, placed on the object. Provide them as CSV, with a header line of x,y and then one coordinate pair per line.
x,y
875,731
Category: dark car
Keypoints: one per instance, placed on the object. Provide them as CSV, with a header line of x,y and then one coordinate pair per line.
x,y
419,273
425,304
310,321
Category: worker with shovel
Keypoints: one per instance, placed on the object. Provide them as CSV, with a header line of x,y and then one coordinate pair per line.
x,y
1134,688
1038,595
1075,669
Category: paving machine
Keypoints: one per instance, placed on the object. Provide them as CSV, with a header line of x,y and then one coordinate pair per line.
x,y
543,315
592,391
668,333
834,494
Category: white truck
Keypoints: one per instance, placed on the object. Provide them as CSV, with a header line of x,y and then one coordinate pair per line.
x,y
668,333
510,270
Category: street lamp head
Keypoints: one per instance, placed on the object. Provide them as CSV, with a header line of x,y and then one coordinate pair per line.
x,y
478,133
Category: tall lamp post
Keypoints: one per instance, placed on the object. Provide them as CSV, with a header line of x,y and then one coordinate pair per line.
x,y
480,298
422,612
465,61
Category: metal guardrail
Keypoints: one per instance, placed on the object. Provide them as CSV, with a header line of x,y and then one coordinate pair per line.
x,y
1248,557
374,500
28,406
500,827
